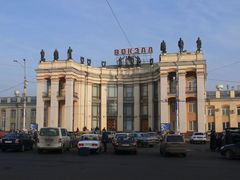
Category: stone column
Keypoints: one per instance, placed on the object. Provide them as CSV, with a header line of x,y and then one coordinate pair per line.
x,y
8,119
201,101
54,102
82,104
103,123
88,110
40,103
150,105
120,108
69,104
182,112
77,107
164,112
136,94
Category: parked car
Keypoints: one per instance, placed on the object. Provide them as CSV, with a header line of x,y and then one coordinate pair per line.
x,y
173,144
198,137
110,135
230,151
125,142
145,140
16,141
155,136
51,138
89,143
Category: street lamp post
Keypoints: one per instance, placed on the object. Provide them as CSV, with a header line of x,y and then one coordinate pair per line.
x,y
24,91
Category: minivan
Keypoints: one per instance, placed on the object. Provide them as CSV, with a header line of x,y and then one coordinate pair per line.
x,y
53,138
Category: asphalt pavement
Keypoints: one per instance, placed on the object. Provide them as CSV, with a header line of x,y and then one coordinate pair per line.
x,y
148,164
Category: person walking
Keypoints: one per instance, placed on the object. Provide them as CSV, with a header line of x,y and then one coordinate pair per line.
x,y
104,139
213,141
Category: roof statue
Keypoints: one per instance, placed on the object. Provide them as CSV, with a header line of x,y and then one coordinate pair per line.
x,y
69,53
180,45
42,53
55,55
163,47
199,44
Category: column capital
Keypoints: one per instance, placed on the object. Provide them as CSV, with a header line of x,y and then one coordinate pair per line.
x,y
54,78
163,74
181,73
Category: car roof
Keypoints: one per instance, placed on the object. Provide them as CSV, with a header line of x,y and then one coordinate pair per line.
x,y
90,135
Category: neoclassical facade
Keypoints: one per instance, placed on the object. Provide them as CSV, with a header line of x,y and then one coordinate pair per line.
x,y
76,95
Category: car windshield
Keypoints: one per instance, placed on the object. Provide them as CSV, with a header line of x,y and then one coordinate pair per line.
x,y
145,135
10,135
198,134
49,132
174,139
89,138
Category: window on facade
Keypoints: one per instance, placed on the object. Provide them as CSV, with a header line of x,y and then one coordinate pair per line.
x,y
191,85
173,86
112,91
225,111
128,91
96,91
211,126
173,107
112,109
226,125
13,113
192,107
128,116
238,111
12,126
95,115
155,89
192,125
144,109
211,111
33,113
238,124
144,90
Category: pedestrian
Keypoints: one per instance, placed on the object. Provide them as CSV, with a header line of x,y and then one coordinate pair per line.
x,y
219,141
213,141
104,139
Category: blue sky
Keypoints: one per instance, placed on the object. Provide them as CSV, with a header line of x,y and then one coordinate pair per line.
x,y
88,26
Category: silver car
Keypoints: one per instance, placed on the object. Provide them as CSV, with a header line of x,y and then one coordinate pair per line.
x,y
51,138
173,144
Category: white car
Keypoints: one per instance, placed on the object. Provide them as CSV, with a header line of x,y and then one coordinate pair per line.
x,y
89,143
198,137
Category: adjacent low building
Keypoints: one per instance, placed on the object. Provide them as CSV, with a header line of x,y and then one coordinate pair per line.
x,y
11,112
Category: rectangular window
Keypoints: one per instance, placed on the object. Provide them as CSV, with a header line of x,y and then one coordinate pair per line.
x,y
211,111
173,107
112,91
112,109
226,125
96,114
96,91
191,85
144,90
238,111
128,91
13,114
144,109
192,107
211,126
128,114
192,125
225,111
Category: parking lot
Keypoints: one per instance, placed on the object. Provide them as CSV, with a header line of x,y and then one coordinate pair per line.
x,y
200,163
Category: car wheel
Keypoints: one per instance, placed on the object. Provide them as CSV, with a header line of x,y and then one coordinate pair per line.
x,y
116,151
39,151
3,150
135,152
22,149
165,154
229,154
184,154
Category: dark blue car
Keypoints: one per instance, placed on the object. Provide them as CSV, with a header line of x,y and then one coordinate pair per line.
x,y
16,141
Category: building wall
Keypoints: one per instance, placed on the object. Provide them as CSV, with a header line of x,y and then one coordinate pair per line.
x,y
77,81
